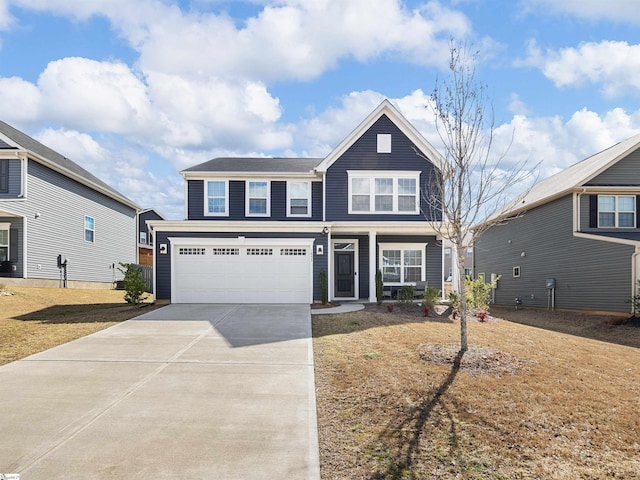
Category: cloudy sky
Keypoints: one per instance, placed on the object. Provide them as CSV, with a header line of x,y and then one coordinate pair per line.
x,y
136,91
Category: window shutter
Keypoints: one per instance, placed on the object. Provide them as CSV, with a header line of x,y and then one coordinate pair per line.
x,y
4,176
593,211
13,245
637,211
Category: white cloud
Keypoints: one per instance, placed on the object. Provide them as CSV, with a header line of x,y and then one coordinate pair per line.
x,y
19,100
615,66
617,10
5,17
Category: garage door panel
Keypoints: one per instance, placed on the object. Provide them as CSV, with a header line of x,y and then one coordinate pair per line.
x,y
253,274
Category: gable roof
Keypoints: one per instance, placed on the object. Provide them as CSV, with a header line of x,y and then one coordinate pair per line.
x,y
566,181
61,164
385,108
259,165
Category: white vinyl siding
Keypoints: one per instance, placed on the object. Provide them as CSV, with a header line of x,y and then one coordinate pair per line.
x,y
384,192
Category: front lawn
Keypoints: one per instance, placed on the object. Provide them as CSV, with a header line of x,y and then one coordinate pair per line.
x,y
35,319
525,402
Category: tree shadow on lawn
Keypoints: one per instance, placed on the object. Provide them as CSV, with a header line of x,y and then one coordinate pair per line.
x,y
86,313
402,439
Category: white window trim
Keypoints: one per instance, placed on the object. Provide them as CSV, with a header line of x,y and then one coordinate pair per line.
x,y
616,211
402,247
206,199
84,228
372,175
246,198
516,272
289,198
7,227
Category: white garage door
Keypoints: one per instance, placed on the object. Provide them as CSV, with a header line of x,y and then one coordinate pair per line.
x,y
237,272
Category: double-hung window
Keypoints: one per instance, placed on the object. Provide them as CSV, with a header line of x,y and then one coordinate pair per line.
x,y
217,198
4,242
258,198
298,199
89,229
402,263
384,192
616,211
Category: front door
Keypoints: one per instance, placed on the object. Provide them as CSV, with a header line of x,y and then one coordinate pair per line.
x,y
345,274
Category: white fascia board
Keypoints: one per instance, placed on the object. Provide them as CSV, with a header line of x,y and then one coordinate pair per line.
x,y
242,241
223,226
275,176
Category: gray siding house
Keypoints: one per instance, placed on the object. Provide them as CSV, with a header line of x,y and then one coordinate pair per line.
x,y
573,241
263,229
52,211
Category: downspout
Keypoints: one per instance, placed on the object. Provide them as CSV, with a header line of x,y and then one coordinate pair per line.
x,y
634,273
577,227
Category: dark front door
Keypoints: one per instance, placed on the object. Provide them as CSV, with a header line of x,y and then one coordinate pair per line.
x,y
345,275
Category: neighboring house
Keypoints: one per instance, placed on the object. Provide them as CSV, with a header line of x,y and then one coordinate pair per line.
x,y
57,219
573,241
263,229
145,243
449,265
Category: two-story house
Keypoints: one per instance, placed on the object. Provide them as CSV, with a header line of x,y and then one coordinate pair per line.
x,y
263,229
59,224
573,241
145,242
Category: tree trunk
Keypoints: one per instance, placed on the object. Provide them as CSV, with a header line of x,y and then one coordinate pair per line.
x,y
464,343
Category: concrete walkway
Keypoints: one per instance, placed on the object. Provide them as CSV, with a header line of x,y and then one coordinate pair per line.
x,y
344,308
186,391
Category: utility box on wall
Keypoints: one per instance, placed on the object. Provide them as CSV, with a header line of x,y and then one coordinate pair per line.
x,y
551,283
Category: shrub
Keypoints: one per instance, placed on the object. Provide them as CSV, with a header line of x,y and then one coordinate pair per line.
x,y
379,287
479,292
431,295
406,294
635,302
324,290
134,286
390,307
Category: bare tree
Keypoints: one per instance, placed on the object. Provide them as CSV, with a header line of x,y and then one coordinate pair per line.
x,y
473,182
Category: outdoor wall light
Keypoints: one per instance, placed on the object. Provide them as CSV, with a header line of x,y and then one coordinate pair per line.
x,y
37,215
523,254
325,230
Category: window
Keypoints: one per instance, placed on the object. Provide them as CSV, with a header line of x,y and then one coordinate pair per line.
x,y
516,272
143,238
617,211
89,229
217,198
384,143
470,252
4,242
298,199
402,263
384,192
258,199
447,252
191,251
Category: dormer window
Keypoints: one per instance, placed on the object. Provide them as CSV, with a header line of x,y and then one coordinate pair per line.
x,y
384,192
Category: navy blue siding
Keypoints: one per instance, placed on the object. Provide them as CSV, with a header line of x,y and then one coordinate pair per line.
x,y
362,156
163,262
142,222
195,198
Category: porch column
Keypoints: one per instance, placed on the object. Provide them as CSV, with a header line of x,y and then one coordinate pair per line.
x,y
373,267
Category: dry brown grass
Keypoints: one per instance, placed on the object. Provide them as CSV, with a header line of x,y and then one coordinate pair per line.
x,y
35,319
389,407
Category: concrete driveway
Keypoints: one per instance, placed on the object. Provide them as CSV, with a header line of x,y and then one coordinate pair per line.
x,y
186,391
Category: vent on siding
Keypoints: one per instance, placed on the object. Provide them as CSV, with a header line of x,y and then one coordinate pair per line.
x,y
191,251
293,251
259,251
226,251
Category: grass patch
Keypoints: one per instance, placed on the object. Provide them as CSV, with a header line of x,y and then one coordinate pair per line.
x,y
35,319
547,395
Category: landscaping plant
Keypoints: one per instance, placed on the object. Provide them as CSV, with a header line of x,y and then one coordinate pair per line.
x,y
134,286
379,287
324,290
